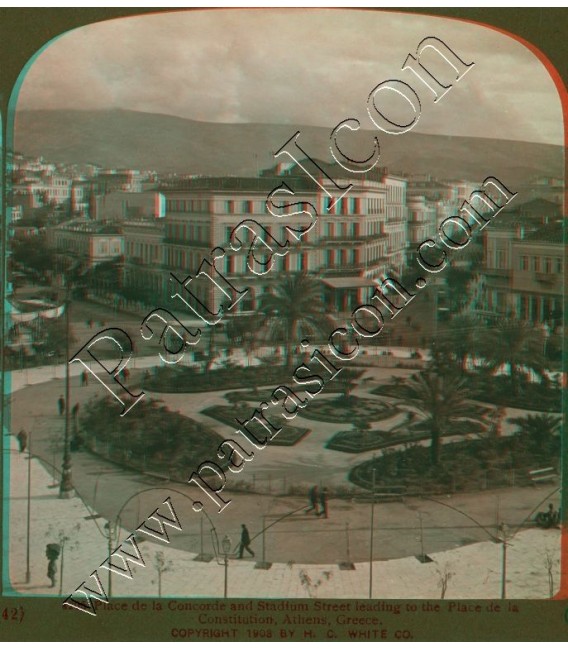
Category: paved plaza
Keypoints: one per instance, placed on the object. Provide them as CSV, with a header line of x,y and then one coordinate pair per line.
x,y
307,555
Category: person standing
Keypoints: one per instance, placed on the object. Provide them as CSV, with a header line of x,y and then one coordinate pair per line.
x,y
84,379
323,502
22,440
245,542
61,404
313,500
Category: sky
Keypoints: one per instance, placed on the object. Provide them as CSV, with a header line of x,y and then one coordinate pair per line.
x,y
302,67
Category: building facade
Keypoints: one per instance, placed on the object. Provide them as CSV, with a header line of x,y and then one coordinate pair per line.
x,y
352,243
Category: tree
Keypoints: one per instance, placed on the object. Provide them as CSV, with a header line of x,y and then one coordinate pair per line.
x,y
54,337
161,565
457,282
516,343
294,311
241,332
459,341
539,432
441,398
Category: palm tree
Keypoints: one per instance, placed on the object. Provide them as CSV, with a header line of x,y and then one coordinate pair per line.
x,y
295,310
441,399
538,430
241,333
516,343
458,342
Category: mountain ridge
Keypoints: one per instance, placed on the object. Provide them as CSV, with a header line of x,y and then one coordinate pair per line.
x,y
167,143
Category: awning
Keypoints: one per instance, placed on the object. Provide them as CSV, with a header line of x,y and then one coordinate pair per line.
x,y
348,282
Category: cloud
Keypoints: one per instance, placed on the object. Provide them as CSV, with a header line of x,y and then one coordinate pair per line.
x,y
292,66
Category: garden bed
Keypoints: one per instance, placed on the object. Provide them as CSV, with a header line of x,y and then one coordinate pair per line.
x,y
349,409
464,466
359,441
150,438
174,380
496,390
288,436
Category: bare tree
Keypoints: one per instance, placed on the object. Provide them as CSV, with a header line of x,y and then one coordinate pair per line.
x,y
550,563
444,578
162,565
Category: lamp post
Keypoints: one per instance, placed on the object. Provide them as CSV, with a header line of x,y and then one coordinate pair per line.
x,y
226,544
110,535
371,541
66,489
503,530
28,572
28,515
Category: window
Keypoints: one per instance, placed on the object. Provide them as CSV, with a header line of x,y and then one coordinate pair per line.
x,y
524,264
548,265
501,259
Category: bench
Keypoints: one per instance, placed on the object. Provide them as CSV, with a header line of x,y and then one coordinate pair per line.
x,y
384,494
542,475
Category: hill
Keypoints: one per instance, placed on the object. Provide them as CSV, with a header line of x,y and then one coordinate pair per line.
x,y
121,138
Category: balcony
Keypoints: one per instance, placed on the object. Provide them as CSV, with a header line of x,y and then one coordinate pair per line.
x,y
188,243
341,239
546,278
497,272
342,268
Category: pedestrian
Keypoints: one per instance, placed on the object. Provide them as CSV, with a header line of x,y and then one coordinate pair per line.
x,y
313,500
61,404
75,412
551,515
84,379
52,571
323,502
245,542
22,440
52,552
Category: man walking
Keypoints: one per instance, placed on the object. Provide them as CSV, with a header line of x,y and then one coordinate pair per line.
x,y
323,502
61,404
22,440
52,552
245,542
313,499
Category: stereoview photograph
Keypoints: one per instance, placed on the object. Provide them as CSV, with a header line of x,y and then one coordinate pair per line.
x,y
284,313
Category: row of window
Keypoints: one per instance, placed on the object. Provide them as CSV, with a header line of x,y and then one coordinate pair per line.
x,y
187,231
346,206
146,251
535,264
